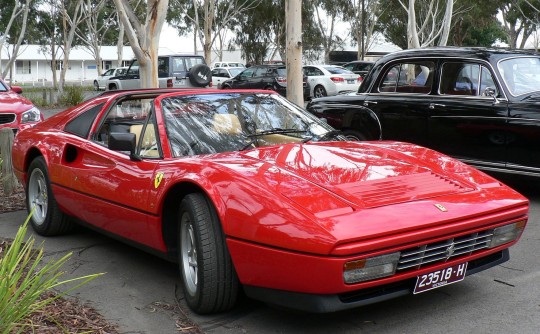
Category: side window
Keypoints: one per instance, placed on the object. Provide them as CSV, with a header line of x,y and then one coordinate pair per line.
x,y
486,81
134,116
248,73
163,67
80,125
216,73
463,78
109,72
414,77
261,71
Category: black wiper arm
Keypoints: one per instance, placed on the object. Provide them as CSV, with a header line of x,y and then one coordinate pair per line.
x,y
331,133
274,131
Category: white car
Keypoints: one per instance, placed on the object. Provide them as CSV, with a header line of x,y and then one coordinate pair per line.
x,y
328,80
221,74
227,64
100,82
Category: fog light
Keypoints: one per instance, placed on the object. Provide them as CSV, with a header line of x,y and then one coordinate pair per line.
x,y
370,268
506,233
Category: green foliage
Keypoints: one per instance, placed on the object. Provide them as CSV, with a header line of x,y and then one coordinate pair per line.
x,y
24,278
72,95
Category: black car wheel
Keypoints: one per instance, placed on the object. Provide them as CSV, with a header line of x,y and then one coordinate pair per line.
x,y
96,85
319,91
47,219
210,282
353,135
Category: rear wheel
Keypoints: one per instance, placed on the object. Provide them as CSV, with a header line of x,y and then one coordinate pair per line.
x,y
210,282
47,219
96,85
319,91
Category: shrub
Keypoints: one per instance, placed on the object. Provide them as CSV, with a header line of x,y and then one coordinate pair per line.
x,y
72,95
24,278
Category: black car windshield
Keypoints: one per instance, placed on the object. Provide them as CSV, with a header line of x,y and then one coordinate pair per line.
x,y
224,122
521,75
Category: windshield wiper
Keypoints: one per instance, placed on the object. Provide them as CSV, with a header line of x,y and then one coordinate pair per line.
x,y
328,134
274,131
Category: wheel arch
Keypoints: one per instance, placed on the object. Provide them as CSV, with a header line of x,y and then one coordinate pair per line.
x,y
170,218
364,120
31,154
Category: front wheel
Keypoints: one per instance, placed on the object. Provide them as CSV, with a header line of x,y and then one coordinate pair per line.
x,y
47,219
353,135
210,282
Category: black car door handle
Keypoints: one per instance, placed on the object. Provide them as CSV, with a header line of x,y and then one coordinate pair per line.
x,y
367,103
436,105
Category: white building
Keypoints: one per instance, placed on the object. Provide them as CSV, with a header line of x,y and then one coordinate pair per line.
x,y
33,64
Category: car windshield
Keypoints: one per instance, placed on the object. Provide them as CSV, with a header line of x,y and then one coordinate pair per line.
x,y
235,71
521,75
225,122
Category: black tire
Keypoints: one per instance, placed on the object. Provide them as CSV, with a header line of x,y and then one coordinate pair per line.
x,y
319,91
113,87
225,87
47,219
200,75
210,282
96,85
353,135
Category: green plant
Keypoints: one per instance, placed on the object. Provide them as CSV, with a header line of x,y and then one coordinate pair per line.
x,y
72,95
24,278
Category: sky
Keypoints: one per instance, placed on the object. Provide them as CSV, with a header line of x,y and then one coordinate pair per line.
x,y
169,39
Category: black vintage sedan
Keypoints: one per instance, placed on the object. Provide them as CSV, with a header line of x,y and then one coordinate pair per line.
x,y
477,104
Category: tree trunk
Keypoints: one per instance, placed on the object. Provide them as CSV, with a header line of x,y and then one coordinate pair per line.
x,y
414,41
144,39
9,181
447,22
293,17
120,44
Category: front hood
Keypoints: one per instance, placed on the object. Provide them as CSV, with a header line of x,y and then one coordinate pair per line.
x,y
368,175
13,102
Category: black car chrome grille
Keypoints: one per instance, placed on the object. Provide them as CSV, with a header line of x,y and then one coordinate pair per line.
x,y
7,118
415,258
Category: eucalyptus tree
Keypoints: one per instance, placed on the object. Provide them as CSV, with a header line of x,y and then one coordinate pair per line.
x,y
208,20
520,19
327,13
99,27
362,16
143,32
13,21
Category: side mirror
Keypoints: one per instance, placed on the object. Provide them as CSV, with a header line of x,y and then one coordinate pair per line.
x,y
123,142
16,89
491,92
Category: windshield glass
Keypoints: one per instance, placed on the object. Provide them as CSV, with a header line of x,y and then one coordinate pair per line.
x,y
521,75
220,122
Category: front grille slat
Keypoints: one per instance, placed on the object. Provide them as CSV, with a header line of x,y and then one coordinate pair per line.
x,y
442,251
7,118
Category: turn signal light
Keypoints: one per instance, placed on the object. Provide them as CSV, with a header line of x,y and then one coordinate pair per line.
x,y
370,268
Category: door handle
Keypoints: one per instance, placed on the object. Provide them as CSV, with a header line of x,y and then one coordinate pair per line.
x,y
435,105
367,103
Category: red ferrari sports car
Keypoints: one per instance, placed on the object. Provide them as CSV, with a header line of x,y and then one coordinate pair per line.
x,y
245,190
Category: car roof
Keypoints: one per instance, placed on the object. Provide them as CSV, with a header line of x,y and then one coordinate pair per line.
x,y
483,53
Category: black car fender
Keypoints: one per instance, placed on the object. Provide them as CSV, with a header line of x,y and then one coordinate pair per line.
x,y
354,117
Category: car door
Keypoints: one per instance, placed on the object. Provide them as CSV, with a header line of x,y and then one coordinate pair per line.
x,y
102,79
401,98
109,189
244,80
465,122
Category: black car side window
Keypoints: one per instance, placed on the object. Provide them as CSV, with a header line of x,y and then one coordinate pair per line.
x,y
411,77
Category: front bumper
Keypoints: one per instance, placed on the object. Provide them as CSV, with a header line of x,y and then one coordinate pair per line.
x,y
324,303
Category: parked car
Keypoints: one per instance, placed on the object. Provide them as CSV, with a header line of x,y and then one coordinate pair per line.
x,y
227,64
247,191
220,74
272,77
174,71
476,104
360,67
16,112
328,80
101,81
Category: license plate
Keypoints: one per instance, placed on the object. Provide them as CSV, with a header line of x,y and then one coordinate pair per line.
x,y
350,81
181,82
442,277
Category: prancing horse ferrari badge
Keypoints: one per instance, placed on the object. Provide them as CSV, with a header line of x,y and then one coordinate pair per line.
x,y
157,180
441,207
